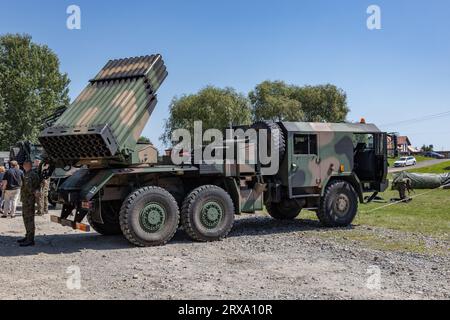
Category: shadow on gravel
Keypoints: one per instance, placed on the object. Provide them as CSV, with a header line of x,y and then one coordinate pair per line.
x,y
256,226
63,243
77,242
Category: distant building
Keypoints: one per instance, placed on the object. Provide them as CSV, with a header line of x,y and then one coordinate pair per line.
x,y
404,146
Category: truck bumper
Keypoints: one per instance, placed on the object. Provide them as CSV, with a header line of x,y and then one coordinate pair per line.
x,y
69,223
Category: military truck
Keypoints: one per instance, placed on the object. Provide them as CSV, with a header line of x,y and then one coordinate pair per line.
x,y
324,167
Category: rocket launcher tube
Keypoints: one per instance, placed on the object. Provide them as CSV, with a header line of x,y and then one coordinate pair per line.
x,y
106,120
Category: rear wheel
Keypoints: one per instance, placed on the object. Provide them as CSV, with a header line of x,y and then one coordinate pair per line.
x,y
207,213
110,216
339,205
149,217
285,210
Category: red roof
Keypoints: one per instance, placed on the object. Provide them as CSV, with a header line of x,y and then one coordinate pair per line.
x,y
401,140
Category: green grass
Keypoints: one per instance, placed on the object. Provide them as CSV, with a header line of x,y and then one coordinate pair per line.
x,y
428,214
443,167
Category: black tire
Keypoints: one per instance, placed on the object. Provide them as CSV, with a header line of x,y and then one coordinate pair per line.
x,y
195,212
285,210
110,217
149,217
277,137
339,205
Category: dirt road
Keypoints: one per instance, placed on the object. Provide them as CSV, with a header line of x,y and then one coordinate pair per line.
x,y
262,259
422,164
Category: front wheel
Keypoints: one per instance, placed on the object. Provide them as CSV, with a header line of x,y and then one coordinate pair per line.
x,y
207,213
149,217
285,210
339,205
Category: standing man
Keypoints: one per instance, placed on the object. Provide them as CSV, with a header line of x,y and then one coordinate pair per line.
x,y
29,194
12,182
2,173
42,200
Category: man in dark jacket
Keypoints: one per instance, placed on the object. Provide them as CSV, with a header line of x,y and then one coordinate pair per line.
x,y
2,174
12,181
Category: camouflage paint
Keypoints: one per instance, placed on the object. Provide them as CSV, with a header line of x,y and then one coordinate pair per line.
x,y
335,149
120,99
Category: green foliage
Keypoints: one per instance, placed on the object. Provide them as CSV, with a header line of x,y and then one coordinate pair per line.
x,y
144,140
2,112
215,107
31,88
428,148
279,101
323,103
275,101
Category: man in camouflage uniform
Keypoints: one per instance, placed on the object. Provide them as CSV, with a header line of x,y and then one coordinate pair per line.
x,y
403,186
28,194
42,200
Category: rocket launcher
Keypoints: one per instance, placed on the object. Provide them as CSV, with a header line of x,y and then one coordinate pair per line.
x,y
106,120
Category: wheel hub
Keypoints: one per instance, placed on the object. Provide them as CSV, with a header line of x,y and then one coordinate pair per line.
x,y
152,217
342,204
211,214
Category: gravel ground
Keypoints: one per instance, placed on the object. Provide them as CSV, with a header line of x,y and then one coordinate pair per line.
x,y
262,259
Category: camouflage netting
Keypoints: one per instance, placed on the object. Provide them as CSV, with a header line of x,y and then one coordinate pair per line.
x,y
422,180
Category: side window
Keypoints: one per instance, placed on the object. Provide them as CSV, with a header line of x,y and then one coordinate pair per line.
x,y
305,144
301,143
313,148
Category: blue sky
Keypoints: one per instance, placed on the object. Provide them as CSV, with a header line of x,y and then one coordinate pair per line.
x,y
398,73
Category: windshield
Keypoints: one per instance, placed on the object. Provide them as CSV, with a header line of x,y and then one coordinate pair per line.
x,y
402,159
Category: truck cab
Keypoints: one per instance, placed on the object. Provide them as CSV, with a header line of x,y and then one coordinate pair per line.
x,y
320,154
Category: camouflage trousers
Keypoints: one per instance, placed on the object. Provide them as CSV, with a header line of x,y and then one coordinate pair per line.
x,y
42,200
28,208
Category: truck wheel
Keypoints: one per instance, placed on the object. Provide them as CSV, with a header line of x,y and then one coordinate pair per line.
x,y
339,205
110,216
207,213
286,210
149,217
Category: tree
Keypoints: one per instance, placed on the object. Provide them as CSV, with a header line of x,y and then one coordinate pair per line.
x,y
278,101
274,101
143,139
429,148
217,109
322,103
2,113
31,88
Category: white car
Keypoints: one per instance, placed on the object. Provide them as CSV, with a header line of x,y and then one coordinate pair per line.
x,y
405,161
